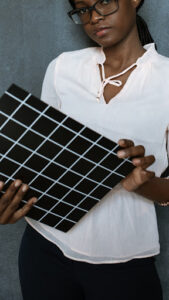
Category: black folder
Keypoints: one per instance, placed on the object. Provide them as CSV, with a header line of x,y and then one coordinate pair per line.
x,y
68,166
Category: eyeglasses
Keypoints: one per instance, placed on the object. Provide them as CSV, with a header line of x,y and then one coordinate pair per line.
x,y
83,15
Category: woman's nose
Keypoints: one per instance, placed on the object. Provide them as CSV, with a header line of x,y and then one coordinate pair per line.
x,y
95,17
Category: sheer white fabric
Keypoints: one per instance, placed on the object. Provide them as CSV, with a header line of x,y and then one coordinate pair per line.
x,y
123,225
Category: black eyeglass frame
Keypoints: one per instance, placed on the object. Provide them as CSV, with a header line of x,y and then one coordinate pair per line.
x,y
90,8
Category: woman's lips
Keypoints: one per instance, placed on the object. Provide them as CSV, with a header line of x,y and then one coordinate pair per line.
x,y
102,32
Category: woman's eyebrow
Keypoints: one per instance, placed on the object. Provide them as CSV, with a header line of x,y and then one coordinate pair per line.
x,y
77,2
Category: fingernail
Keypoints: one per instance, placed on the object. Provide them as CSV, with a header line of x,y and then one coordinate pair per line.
x,y
24,188
136,161
35,200
144,172
17,183
122,141
1,184
121,153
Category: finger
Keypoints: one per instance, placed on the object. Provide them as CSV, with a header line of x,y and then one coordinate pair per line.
x,y
20,213
13,205
136,178
132,151
7,197
144,162
1,185
125,143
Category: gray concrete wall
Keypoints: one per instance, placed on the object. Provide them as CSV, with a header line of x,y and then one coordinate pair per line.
x,y
31,34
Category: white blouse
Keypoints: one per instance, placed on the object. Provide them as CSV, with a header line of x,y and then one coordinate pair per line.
x,y
123,225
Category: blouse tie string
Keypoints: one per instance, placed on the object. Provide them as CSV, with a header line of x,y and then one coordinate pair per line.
x,y
111,80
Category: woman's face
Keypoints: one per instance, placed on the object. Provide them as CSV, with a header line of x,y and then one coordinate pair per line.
x,y
121,23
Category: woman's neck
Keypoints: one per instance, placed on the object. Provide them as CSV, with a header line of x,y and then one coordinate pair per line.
x,y
123,54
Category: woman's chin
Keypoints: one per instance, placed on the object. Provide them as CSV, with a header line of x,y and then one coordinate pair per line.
x,y
106,42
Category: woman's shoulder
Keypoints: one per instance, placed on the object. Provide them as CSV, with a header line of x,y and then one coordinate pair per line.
x,y
159,67
163,61
75,55
80,52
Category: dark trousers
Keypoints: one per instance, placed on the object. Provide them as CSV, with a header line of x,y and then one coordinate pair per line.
x,y
46,274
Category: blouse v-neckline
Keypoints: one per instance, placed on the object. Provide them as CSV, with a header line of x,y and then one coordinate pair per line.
x,y
111,80
101,58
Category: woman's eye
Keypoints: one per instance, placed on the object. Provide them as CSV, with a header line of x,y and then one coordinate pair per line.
x,y
83,11
105,1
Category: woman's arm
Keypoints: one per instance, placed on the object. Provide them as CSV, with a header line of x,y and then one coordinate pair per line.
x,y
141,181
156,189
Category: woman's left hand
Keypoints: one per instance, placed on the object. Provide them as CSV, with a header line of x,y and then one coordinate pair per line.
x,y
139,175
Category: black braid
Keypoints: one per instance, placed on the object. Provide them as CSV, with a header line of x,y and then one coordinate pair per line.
x,y
143,31
72,3
141,3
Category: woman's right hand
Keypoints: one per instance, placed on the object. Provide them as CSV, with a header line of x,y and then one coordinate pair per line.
x,y
10,200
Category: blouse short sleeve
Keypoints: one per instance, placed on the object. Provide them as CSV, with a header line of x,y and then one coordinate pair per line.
x,y
49,93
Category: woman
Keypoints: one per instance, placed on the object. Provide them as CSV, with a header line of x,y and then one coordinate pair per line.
x,y
117,89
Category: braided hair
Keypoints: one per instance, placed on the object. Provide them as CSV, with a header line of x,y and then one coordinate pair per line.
x,y
72,3
143,31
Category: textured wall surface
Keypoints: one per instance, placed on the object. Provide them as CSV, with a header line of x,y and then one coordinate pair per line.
x,y
32,33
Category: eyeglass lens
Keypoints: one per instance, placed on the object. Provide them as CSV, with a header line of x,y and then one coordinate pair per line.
x,y
104,7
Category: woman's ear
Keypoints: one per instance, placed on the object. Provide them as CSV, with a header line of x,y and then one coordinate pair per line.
x,y
135,3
